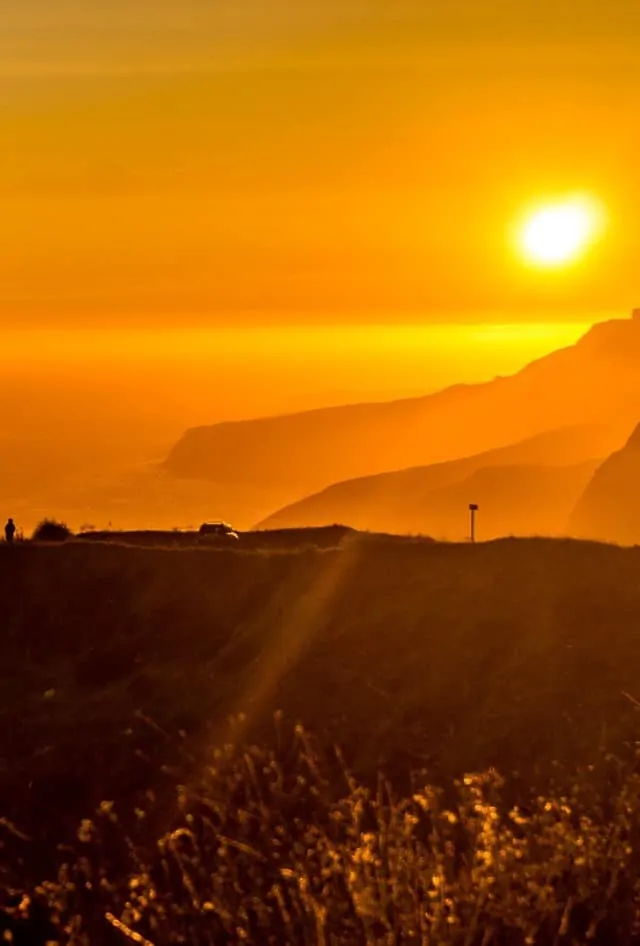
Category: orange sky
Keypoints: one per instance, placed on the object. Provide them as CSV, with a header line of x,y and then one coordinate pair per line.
x,y
238,161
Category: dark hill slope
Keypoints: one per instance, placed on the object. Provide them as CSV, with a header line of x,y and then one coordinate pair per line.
x,y
610,506
594,381
514,653
421,499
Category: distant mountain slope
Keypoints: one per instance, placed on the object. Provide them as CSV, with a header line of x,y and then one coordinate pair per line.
x,y
409,500
294,455
610,506
513,501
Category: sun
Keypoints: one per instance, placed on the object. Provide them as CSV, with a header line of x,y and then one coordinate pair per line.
x,y
559,233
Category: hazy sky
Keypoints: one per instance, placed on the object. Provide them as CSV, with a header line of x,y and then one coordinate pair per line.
x,y
210,162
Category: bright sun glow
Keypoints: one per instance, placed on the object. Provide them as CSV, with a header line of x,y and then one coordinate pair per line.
x,y
559,233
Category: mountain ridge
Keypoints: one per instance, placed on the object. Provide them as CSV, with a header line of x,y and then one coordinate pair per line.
x,y
291,456
399,500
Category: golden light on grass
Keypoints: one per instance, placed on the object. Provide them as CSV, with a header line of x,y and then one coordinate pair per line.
x,y
560,233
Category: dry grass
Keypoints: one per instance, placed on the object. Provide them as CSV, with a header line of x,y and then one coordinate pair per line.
x,y
277,847
514,655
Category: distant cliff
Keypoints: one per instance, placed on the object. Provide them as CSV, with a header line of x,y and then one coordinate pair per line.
x,y
610,506
593,381
526,488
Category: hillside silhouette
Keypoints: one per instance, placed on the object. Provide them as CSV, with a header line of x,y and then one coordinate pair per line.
x,y
525,488
515,654
287,540
594,381
610,506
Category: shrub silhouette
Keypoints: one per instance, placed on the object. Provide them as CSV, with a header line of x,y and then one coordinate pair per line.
x,y
49,530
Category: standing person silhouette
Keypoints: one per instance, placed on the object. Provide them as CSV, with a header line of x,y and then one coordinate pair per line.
x,y
10,531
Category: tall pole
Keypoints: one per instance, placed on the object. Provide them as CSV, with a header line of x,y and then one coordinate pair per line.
x,y
473,508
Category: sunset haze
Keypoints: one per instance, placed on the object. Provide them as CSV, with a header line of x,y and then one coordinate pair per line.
x,y
214,163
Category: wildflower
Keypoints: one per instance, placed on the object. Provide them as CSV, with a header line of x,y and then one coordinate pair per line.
x,y
106,808
423,801
85,831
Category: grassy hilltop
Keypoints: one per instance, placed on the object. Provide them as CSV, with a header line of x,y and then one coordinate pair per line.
x,y
514,653
120,665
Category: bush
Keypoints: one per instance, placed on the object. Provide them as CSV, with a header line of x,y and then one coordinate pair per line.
x,y
49,530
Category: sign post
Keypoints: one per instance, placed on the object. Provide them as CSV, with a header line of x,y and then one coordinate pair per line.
x,y
473,508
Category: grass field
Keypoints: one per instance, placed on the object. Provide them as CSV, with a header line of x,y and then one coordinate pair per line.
x,y
121,665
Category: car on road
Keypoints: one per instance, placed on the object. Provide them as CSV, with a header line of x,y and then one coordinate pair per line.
x,y
218,530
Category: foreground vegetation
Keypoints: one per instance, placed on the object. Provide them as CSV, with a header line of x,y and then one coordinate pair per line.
x,y
120,665
277,846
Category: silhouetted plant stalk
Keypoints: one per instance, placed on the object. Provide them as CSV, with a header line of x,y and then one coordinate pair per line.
x,y
271,846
